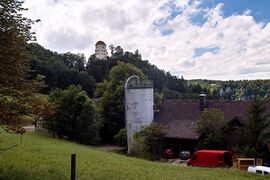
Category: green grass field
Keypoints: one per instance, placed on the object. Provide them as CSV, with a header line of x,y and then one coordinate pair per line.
x,y
211,85
41,157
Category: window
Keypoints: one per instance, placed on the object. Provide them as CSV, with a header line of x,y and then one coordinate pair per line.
x,y
193,157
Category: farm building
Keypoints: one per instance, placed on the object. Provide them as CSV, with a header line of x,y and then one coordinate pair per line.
x,y
180,118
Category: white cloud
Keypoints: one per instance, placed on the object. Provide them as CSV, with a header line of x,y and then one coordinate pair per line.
x,y
244,45
247,12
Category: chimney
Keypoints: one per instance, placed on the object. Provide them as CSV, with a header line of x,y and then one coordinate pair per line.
x,y
202,104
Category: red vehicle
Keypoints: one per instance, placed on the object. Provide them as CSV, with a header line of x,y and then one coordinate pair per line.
x,y
211,158
170,153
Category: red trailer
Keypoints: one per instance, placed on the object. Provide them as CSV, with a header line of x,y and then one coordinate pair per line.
x,y
211,158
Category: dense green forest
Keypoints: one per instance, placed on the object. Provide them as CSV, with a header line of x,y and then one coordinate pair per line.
x,y
69,79
234,90
61,70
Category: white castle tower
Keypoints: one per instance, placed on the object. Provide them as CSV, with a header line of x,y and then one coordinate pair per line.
x,y
139,102
101,51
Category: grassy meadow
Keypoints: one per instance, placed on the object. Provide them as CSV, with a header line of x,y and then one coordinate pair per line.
x,y
41,157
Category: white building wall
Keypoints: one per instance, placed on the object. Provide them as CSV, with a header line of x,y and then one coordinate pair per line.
x,y
139,111
101,51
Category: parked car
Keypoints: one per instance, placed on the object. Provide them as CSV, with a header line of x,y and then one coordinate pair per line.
x,y
211,158
170,152
259,169
184,155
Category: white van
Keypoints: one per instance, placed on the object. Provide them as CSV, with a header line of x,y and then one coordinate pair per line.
x,y
259,169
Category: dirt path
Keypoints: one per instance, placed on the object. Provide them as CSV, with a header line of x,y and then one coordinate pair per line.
x,y
110,148
29,128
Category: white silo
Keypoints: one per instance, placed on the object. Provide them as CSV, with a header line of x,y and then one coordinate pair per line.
x,y
139,102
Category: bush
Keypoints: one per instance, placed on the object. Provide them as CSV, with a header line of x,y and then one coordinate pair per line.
x,y
140,150
121,137
149,141
250,152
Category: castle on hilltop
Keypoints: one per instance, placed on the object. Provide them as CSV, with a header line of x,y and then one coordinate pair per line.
x,y
101,51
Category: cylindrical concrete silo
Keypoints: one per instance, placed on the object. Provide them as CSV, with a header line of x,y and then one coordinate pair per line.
x,y
139,102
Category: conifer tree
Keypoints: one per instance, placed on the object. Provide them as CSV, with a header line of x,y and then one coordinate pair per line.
x,y
255,132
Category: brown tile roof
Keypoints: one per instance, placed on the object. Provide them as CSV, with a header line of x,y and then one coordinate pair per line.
x,y
100,43
180,116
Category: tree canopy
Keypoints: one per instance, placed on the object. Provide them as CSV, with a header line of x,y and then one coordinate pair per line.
x,y
149,141
17,93
59,70
210,127
256,130
62,70
99,69
111,103
75,117
233,90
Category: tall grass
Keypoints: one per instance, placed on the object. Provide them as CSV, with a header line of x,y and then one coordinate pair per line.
x,y
40,157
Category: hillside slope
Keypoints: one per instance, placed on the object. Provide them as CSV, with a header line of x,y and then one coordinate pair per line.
x,y
235,90
40,157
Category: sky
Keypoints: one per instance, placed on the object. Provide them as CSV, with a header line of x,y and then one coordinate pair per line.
x,y
196,39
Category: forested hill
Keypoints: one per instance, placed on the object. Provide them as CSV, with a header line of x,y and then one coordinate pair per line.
x,y
61,70
235,90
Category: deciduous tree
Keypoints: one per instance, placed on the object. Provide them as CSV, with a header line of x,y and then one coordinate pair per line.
x,y
111,103
75,117
17,93
210,127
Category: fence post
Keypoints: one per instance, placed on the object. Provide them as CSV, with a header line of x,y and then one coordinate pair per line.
x,y
73,167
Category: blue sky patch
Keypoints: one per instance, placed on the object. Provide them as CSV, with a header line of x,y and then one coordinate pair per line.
x,y
174,11
200,51
171,7
198,19
167,32
259,8
162,22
